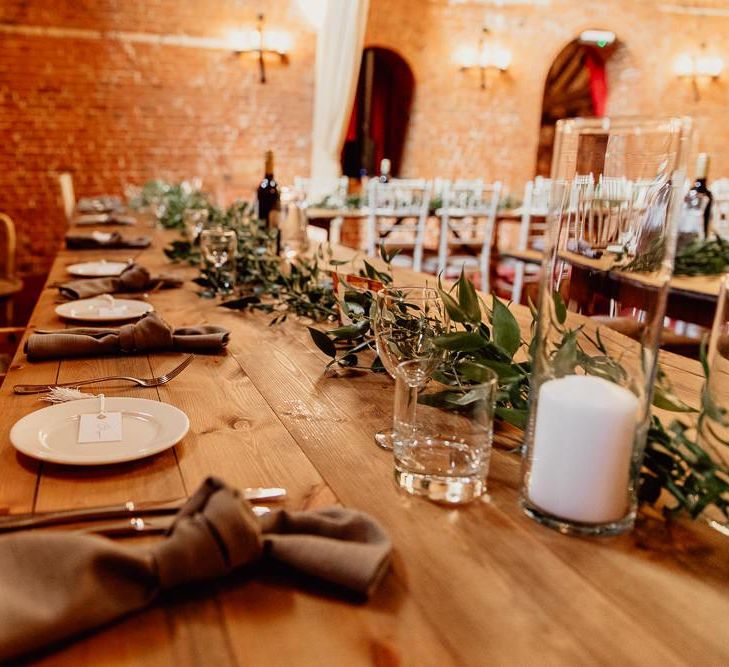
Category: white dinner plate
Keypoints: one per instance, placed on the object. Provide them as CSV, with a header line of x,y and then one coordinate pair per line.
x,y
51,434
103,309
100,269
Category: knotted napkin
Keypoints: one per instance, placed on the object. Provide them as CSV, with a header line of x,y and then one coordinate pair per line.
x,y
149,334
111,240
134,278
99,204
55,585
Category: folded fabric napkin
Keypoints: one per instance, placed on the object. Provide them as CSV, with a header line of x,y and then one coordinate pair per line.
x,y
100,240
149,334
105,219
99,204
134,278
55,585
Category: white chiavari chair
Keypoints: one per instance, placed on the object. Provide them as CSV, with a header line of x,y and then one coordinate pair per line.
x,y
467,220
398,212
533,226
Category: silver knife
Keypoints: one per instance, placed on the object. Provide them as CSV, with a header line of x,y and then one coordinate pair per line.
x,y
138,525
13,522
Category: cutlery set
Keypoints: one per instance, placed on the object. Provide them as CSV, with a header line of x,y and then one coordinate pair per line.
x,y
124,519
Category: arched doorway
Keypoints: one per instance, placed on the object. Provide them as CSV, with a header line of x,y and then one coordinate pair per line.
x,y
576,85
381,113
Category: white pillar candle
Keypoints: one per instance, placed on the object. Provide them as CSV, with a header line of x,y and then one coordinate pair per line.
x,y
583,444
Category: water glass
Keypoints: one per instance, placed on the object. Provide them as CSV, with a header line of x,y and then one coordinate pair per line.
x,y
194,220
443,430
406,319
218,249
292,229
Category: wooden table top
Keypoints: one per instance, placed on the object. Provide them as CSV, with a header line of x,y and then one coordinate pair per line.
x,y
478,585
706,286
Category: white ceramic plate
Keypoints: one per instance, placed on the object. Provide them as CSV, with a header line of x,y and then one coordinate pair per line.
x,y
51,434
100,269
103,309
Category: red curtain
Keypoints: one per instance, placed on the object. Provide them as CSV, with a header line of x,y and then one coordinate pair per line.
x,y
598,81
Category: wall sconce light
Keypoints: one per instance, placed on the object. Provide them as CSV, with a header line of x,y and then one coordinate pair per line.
x,y
701,67
262,44
486,57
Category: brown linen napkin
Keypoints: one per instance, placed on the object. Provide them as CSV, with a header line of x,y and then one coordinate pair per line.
x,y
149,334
56,585
134,278
115,240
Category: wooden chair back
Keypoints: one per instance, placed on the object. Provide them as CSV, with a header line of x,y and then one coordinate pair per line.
x,y
400,206
68,197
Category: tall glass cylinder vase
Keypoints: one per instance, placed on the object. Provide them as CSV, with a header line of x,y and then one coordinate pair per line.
x,y
616,192
713,421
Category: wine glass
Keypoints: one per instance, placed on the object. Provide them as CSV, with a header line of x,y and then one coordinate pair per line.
x,y
218,250
194,220
406,321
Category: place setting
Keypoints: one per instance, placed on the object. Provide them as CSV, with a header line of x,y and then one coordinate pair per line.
x,y
321,347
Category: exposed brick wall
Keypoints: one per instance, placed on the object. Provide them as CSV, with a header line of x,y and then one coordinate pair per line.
x,y
457,129
115,112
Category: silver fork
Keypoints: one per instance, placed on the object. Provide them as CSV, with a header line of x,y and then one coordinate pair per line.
x,y
142,382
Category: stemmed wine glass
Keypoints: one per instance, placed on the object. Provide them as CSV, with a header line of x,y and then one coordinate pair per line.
x,y
405,322
218,248
194,220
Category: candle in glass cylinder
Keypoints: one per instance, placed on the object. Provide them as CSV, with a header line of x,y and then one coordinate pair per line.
x,y
583,443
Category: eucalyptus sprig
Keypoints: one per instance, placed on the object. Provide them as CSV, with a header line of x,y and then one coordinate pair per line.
x,y
703,258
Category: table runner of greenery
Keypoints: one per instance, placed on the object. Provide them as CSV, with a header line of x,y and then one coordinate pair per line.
x,y
678,473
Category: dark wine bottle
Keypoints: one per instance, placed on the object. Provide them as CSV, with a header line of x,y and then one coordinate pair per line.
x,y
269,199
699,188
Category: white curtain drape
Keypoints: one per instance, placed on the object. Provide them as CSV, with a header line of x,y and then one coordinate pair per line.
x,y
338,57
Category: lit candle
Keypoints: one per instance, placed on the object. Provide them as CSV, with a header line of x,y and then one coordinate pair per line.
x,y
583,444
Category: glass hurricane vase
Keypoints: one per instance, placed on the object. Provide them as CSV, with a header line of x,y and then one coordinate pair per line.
x,y
617,188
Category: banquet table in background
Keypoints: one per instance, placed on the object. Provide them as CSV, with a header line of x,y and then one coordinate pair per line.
x,y
477,585
690,298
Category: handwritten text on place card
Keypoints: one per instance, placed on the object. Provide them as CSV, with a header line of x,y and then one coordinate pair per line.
x,y
100,427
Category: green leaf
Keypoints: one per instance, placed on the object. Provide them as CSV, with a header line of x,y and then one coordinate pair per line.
x,y
560,310
665,399
356,330
514,417
242,303
505,328
460,341
468,299
452,307
387,257
474,372
565,358
323,342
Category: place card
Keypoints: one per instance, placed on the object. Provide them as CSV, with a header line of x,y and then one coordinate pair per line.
x,y
100,427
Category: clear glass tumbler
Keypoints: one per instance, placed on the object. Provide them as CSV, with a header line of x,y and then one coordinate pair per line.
x,y
616,195
405,321
443,430
218,248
